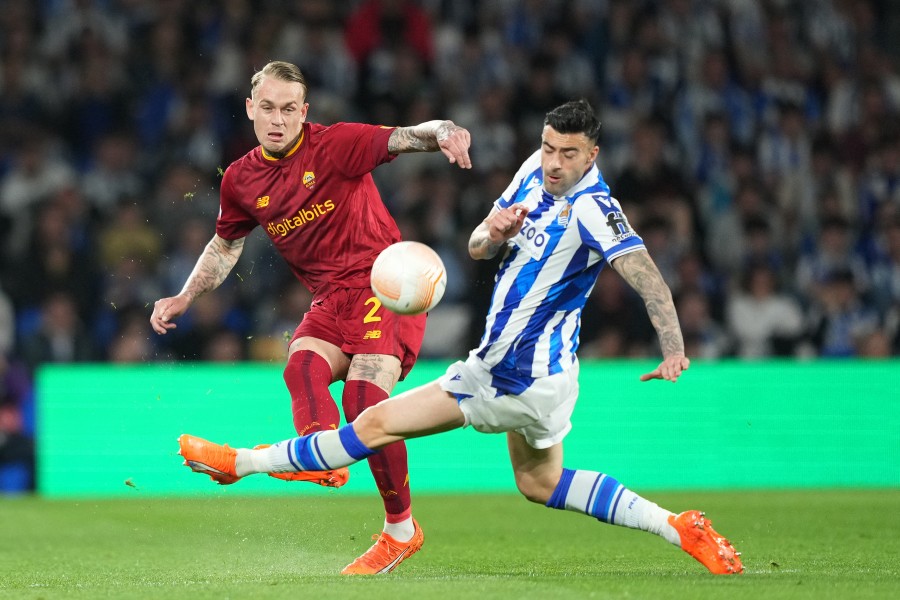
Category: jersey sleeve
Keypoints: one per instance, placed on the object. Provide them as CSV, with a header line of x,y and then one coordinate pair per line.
x,y
233,222
604,227
356,148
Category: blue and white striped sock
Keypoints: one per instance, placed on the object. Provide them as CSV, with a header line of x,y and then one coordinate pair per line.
x,y
319,451
603,497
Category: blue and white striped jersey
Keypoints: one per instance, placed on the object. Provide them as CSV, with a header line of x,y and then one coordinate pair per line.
x,y
547,274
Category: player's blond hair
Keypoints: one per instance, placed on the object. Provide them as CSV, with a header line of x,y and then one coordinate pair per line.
x,y
281,70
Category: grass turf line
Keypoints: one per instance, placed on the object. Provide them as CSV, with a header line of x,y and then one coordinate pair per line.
x,y
816,544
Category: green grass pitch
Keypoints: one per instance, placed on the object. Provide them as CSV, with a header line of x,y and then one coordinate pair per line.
x,y
816,544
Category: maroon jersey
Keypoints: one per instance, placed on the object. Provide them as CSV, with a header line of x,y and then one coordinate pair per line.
x,y
318,204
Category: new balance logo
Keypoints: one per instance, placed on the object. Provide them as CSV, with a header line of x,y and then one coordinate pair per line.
x,y
373,334
262,202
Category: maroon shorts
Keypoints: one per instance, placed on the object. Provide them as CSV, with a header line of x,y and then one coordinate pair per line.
x,y
354,320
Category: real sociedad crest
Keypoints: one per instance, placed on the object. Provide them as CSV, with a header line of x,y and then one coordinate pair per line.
x,y
563,217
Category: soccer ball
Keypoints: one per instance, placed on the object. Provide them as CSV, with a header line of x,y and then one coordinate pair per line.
x,y
409,278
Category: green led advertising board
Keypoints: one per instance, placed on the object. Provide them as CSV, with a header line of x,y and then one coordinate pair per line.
x,y
107,430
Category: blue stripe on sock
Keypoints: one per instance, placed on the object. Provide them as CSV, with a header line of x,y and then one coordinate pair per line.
x,y
608,509
305,455
292,453
612,513
318,453
590,499
558,499
352,444
601,504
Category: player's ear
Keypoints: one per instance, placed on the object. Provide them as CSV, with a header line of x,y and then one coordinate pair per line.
x,y
248,103
593,155
303,110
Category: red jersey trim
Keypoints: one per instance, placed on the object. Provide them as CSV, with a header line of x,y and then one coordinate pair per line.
x,y
296,147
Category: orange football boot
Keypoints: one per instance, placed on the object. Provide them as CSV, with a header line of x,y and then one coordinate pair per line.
x,y
385,554
701,541
334,478
203,456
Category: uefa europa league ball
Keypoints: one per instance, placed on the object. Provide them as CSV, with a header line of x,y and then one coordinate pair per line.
x,y
409,278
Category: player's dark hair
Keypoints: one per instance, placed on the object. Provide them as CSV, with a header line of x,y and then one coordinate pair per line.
x,y
279,69
576,116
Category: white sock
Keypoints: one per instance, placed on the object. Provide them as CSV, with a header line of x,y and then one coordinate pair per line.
x,y
250,461
402,531
603,497
319,451
271,459
640,513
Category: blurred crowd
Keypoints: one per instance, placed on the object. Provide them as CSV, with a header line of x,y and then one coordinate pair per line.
x,y
754,145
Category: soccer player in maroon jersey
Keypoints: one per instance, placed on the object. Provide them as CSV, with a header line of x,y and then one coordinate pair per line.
x,y
310,188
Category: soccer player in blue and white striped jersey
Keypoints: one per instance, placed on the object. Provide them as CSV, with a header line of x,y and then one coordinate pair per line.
x,y
557,226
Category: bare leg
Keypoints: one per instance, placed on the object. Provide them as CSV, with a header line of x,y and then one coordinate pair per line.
x,y
422,411
537,471
382,370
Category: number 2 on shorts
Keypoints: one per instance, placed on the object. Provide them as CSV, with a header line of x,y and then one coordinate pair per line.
x,y
371,316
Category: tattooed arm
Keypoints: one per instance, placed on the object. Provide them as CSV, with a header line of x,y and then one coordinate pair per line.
x,y
639,270
431,136
213,266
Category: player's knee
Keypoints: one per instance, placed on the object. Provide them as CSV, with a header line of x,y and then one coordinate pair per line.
x,y
535,489
307,376
371,423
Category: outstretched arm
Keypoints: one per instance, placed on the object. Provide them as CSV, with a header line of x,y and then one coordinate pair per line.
x,y
492,233
213,266
641,273
431,136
